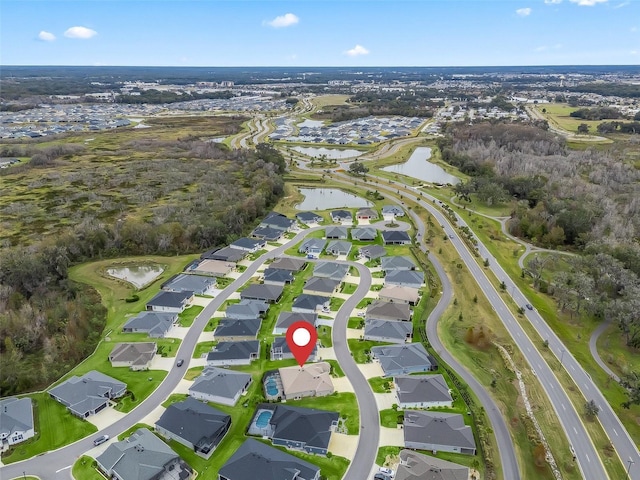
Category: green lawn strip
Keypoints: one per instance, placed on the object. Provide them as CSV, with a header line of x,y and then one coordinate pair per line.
x,y
615,353
224,282
336,303
390,418
344,402
55,427
336,370
384,452
360,349
324,336
212,324
380,385
203,348
187,317
365,302
127,433
348,288
255,255
173,398
355,322
85,468
377,274
193,373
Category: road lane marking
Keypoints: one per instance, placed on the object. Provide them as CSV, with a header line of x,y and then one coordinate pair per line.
x,y
65,468
616,432
563,407
588,459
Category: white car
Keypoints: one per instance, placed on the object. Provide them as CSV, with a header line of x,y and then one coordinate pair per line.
x,y
386,471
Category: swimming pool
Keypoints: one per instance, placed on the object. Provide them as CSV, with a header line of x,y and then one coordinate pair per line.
x,y
272,386
263,418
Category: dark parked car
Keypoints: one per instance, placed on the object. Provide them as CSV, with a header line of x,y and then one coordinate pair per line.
x,y
180,363
528,305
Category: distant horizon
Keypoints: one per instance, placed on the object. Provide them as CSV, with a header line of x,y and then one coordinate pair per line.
x,y
352,67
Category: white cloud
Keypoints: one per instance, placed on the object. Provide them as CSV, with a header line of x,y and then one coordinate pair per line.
x,y
620,5
588,3
356,51
552,2
633,29
46,36
523,12
80,32
633,52
285,20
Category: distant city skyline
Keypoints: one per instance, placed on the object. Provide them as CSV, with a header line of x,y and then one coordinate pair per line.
x,y
349,33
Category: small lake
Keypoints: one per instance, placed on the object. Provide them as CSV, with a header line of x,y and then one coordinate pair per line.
x,y
311,124
136,275
324,198
418,166
332,153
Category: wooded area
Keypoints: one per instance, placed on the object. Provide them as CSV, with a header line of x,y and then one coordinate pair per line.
x,y
197,196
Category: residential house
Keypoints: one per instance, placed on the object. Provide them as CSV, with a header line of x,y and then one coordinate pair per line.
x,y
336,233
136,356
392,331
366,214
293,264
246,309
142,456
233,329
228,254
364,234
371,252
216,268
338,247
254,460
396,262
267,233
395,237
403,359
389,212
234,353
262,292
88,394
220,385
321,286
312,247
399,294
154,324
16,420
250,245
277,221
198,284
277,276
341,216
437,431
388,311
309,217
305,429
306,303
417,466
310,380
286,319
336,271
280,350
195,425
171,302
422,391
404,278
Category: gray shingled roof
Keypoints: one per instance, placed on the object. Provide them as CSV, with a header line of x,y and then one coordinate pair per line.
x,y
315,243
234,327
422,388
373,251
417,466
229,254
16,415
293,264
341,214
404,277
278,275
388,310
220,382
262,292
255,459
397,262
395,209
246,309
307,217
267,233
437,428
281,343
189,283
194,421
333,270
392,236
396,357
170,299
85,393
367,212
387,329
138,353
276,220
338,247
156,323
234,350
286,319
308,425
321,284
247,243
364,233
310,302
336,232
140,457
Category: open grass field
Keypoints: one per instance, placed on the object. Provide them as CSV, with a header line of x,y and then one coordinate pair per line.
x,y
558,114
54,426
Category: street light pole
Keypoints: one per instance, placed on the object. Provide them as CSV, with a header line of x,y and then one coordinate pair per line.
x,y
630,462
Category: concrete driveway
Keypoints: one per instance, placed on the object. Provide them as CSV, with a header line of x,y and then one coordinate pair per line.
x,y
385,400
342,384
393,437
370,370
105,417
343,445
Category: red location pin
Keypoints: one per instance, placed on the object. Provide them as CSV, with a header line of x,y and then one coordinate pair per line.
x,y
301,338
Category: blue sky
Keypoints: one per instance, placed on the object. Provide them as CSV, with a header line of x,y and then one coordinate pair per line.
x,y
319,32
